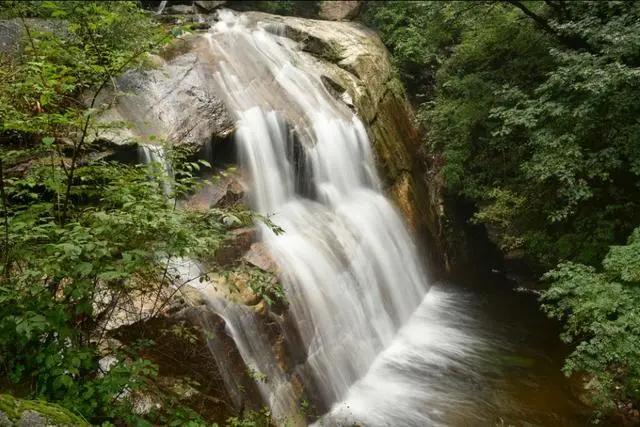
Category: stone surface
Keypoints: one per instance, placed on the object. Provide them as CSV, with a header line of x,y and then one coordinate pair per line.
x,y
4,420
33,419
35,413
178,9
238,243
259,256
222,191
209,5
173,102
10,36
339,10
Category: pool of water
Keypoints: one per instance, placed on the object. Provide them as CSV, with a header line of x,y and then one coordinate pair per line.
x,y
476,354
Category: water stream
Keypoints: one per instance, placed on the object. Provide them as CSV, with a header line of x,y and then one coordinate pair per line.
x,y
350,269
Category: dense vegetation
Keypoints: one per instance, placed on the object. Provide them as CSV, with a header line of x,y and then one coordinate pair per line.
x,y
532,109
84,239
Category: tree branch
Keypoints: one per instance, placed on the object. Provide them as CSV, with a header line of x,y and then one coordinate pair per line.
x,y
572,42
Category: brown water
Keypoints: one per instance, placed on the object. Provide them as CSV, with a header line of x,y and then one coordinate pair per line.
x,y
474,354
521,383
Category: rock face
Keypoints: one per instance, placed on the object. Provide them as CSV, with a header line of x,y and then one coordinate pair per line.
x,y
10,36
12,33
173,101
209,5
344,10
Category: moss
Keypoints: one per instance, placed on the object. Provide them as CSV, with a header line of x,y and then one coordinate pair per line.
x,y
56,414
332,52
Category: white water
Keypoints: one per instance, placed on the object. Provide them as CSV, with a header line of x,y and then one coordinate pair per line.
x,y
350,269
153,154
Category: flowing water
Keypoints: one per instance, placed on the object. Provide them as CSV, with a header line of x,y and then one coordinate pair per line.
x,y
156,155
350,270
382,346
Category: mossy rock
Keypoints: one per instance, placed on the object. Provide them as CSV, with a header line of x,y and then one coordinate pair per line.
x,y
55,415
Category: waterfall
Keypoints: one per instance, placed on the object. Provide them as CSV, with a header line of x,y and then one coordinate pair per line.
x,y
349,267
155,154
161,7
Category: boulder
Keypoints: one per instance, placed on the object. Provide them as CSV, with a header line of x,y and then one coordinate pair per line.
x,y
221,191
178,9
341,10
258,255
210,5
11,32
173,102
16,412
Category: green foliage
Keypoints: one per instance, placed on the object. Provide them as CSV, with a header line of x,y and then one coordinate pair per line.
x,y
261,418
83,240
545,115
601,313
531,109
266,286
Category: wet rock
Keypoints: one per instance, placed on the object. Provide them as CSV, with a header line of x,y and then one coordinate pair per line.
x,y
343,10
226,190
200,26
220,191
356,69
210,378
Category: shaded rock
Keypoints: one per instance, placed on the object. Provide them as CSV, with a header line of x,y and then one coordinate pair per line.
x,y
210,5
178,9
11,33
200,26
221,191
341,10
211,377
239,242
32,419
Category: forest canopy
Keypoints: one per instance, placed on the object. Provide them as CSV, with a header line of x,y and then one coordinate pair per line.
x,y
533,109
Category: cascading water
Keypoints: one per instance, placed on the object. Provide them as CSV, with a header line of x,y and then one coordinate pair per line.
x,y
349,267
155,154
363,336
